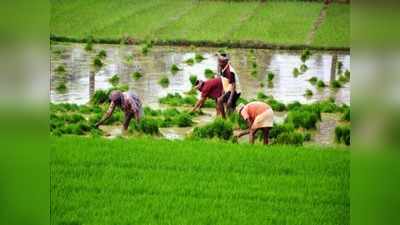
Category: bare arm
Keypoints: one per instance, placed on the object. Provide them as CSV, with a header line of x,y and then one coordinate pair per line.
x,y
107,115
199,104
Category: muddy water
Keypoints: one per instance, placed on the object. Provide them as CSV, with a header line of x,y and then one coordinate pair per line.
x,y
82,79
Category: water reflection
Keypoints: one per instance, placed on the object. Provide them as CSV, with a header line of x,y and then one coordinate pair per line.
x,y
124,60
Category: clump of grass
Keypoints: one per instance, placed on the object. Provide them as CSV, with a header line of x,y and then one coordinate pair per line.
x,y
347,74
339,67
313,80
102,54
304,119
128,59
61,87
97,63
262,96
346,115
174,69
219,128
336,84
262,84
145,49
296,72
209,73
271,76
114,80
164,81
190,61
146,125
136,75
305,55
254,65
99,97
292,138
308,93
177,100
184,120
303,68
193,79
60,69
89,45
321,84
199,57
254,72
278,129
342,134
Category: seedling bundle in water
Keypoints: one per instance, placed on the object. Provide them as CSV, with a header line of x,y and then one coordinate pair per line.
x,y
199,57
174,69
136,75
208,73
190,61
193,79
164,81
114,80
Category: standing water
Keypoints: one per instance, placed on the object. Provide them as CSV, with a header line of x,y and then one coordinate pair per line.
x,y
125,60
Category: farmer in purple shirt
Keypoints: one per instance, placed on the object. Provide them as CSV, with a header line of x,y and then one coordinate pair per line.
x,y
128,102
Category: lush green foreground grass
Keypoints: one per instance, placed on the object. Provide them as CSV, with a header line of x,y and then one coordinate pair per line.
x,y
147,181
276,22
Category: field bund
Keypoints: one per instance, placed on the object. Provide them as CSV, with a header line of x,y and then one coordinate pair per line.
x,y
150,181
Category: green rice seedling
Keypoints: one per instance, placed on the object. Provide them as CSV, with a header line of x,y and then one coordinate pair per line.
x,y
89,45
145,49
208,73
346,115
304,119
278,129
271,76
151,112
73,118
172,99
321,84
199,57
184,120
296,72
292,138
296,105
307,136
97,63
174,69
347,75
303,68
149,126
219,128
308,93
336,84
237,121
61,87
262,96
342,134
313,80
190,61
128,59
193,79
136,75
209,103
192,91
270,84
60,69
99,97
254,65
276,105
262,84
305,55
114,80
254,72
328,106
191,100
102,54
342,79
164,81
339,67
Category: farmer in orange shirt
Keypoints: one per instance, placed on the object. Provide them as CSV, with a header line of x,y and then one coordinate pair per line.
x,y
259,116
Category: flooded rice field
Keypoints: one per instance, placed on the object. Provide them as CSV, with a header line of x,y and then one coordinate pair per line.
x,y
82,79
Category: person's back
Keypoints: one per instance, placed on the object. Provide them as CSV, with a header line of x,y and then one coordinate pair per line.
x,y
253,109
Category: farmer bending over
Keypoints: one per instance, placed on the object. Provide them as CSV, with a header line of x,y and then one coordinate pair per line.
x,y
229,83
128,102
259,116
210,89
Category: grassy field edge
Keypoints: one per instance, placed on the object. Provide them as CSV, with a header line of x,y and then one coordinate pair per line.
x,y
229,44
